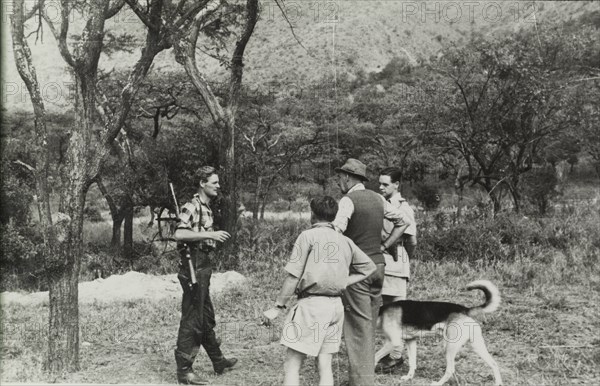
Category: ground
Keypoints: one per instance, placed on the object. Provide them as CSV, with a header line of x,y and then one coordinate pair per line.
x,y
541,335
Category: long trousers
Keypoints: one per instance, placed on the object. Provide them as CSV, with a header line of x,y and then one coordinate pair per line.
x,y
362,301
197,324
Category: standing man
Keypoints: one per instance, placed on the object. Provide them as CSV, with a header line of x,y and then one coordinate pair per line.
x,y
360,217
195,229
397,271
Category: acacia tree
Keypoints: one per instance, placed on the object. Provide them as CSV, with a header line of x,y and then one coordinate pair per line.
x,y
96,126
216,21
503,102
273,141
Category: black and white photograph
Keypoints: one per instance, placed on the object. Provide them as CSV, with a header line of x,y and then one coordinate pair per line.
x,y
300,192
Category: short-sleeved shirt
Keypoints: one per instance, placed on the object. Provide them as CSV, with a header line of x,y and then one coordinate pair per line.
x,y
401,266
197,216
322,258
399,202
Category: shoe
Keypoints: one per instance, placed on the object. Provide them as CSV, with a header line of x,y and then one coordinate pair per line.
x,y
190,378
185,373
387,364
224,364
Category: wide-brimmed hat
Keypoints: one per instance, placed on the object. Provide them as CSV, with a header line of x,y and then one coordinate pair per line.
x,y
354,167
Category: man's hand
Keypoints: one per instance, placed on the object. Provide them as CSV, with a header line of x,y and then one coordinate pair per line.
x,y
220,236
272,313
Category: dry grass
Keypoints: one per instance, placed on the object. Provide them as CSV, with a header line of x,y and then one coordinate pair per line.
x,y
545,332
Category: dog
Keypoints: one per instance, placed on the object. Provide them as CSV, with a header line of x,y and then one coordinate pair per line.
x,y
406,320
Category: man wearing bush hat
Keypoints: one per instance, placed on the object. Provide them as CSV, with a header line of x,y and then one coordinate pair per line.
x,y
360,217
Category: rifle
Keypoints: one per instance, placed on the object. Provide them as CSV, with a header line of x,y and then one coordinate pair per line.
x,y
188,256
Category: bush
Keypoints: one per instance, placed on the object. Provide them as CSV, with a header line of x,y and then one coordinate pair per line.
x,y
264,244
22,264
15,198
428,195
92,214
279,205
300,205
539,186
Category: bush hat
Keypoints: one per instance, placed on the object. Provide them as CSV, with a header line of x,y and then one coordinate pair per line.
x,y
354,167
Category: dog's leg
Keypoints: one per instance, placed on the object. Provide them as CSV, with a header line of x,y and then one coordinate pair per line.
x,y
453,345
393,337
412,359
478,345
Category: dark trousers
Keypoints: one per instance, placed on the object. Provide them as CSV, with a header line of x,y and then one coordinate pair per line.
x,y
197,324
362,301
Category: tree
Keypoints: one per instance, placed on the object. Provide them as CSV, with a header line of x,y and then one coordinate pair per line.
x,y
215,20
91,136
501,103
273,142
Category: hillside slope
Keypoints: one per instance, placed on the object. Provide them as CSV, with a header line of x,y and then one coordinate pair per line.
x,y
336,36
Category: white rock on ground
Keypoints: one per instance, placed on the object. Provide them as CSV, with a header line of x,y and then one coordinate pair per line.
x,y
129,286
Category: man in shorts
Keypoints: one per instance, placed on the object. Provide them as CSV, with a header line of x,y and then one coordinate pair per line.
x,y
322,264
397,266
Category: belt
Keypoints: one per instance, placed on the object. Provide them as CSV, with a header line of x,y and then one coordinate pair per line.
x,y
303,295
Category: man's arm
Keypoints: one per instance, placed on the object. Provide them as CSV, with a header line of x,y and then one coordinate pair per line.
x,y
188,235
287,290
400,220
185,233
361,266
294,268
345,211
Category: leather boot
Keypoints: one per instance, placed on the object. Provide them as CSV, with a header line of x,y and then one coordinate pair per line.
x,y
185,373
211,345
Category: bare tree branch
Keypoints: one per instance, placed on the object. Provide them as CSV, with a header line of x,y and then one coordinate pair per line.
x,y
25,165
114,8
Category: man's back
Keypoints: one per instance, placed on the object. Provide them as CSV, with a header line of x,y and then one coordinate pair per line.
x,y
321,259
364,227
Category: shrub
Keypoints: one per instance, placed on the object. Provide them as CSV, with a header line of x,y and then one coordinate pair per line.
x,y
539,186
22,264
464,243
300,204
428,195
92,214
280,205
15,198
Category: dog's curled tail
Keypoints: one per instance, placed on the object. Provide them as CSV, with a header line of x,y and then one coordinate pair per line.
x,y
492,297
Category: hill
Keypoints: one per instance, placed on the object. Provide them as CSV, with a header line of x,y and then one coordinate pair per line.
x,y
333,38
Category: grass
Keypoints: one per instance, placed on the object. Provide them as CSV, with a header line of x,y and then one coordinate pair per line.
x,y
545,332
542,334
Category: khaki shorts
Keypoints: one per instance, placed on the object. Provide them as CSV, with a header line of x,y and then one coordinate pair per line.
x,y
314,326
394,286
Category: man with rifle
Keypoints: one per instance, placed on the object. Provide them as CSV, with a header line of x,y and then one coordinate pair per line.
x,y
197,240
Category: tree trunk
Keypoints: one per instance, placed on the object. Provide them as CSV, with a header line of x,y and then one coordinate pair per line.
x,y
230,191
497,206
117,214
263,204
256,206
459,204
516,195
62,268
115,242
128,233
